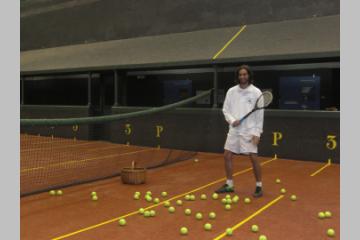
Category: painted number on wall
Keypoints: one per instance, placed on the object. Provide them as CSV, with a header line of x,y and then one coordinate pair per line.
x,y
159,130
128,129
277,136
331,142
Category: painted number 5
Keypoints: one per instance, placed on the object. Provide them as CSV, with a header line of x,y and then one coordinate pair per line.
x,y
331,142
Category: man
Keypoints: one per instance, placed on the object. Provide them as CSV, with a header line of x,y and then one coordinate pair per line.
x,y
242,138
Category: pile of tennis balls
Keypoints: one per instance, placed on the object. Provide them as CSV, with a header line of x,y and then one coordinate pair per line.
x,y
55,192
327,214
190,197
255,229
94,196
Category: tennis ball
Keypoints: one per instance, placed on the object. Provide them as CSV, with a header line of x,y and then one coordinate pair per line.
x,y
207,226
321,215
198,216
184,231
293,198
136,193
224,201
148,198
254,228
149,193
93,193
212,215
247,200
228,196
122,222
94,198
235,199
215,196
229,231
187,211
156,200
136,197
278,181
187,197
167,204
171,209
59,192
147,214
52,192
203,197
228,207
330,232
262,237
283,190
228,201
164,194
196,160
192,197
152,213
328,214
179,202
141,211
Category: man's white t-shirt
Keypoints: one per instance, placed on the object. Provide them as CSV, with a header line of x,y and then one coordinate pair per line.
x,y
238,102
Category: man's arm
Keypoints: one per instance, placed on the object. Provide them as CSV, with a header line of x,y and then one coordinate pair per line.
x,y
226,111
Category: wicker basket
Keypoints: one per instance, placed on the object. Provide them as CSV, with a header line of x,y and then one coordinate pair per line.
x,y
133,175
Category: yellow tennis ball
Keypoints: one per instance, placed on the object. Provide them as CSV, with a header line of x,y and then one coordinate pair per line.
x,y
187,211
283,190
254,228
228,201
229,232
192,197
215,196
262,237
149,193
164,194
52,192
187,197
293,198
59,192
228,207
212,215
224,200
321,215
156,200
136,197
179,202
184,231
278,181
171,209
94,198
198,216
147,214
328,214
141,211
122,222
167,204
203,197
207,226
152,213
330,232
228,196
247,200
93,193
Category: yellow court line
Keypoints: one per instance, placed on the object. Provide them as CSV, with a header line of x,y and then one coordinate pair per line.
x,y
83,160
251,216
229,42
322,168
154,205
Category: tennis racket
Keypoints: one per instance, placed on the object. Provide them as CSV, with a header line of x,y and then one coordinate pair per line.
x,y
262,102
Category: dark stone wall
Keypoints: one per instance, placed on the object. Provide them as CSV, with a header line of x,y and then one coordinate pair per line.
x,y
65,22
304,133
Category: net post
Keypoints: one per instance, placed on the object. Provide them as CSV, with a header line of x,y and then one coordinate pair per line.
x,y
89,89
116,88
215,83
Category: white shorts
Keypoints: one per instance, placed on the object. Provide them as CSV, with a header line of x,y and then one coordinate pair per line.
x,y
240,144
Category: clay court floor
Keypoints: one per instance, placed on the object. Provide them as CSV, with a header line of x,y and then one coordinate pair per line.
x,y
75,216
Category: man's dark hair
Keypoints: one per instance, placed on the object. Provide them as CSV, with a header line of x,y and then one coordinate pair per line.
x,y
250,73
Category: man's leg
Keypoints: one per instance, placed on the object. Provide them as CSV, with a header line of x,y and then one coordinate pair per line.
x,y
229,186
257,173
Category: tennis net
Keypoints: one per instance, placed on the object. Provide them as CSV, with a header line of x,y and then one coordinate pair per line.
x,y
56,153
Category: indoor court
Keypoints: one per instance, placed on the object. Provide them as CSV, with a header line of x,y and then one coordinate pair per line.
x,y
131,112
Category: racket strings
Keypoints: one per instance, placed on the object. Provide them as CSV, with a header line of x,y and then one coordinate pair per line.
x,y
264,100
